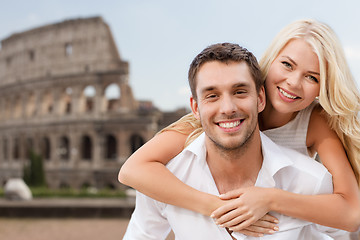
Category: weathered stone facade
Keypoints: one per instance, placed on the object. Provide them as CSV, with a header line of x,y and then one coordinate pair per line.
x,y
53,100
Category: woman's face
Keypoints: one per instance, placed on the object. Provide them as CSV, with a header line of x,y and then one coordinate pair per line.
x,y
293,79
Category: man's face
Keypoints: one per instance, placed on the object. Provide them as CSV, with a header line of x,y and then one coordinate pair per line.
x,y
227,103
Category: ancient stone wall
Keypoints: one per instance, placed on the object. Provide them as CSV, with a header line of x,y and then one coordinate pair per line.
x,y
54,85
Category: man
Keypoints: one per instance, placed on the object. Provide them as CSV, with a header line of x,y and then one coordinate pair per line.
x,y
227,95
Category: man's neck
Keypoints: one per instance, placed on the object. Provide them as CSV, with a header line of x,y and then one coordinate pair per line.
x,y
237,168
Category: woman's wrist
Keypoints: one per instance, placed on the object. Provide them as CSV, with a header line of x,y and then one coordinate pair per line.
x,y
272,196
208,204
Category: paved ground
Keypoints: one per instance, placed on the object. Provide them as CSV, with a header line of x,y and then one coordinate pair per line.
x,y
63,229
66,227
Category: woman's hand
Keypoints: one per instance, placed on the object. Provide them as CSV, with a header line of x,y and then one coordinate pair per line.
x,y
246,206
265,225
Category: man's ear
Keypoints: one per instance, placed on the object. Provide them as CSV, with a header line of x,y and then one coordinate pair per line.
x,y
261,99
194,107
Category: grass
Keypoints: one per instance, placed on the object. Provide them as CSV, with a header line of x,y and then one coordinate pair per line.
x,y
43,192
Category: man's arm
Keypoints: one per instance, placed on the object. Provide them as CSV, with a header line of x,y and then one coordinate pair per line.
x,y
147,221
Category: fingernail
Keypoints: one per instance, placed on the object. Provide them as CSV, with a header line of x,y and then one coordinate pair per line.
x,y
276,221
212,215
271,231
276,228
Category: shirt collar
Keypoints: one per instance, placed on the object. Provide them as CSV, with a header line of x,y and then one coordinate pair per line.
x,y
197,147
273,159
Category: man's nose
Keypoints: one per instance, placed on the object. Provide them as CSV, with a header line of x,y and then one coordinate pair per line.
x,y
228,105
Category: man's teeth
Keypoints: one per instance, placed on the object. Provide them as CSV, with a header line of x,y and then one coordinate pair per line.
x,y
286,94
229,124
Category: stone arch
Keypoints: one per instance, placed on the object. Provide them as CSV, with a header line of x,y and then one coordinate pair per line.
x,y
31,105
16,148
47,103
29,146
45,148
64,148
136,141
17,108
66,101
112,97
86,148
8,110
68,49
110,147
88,99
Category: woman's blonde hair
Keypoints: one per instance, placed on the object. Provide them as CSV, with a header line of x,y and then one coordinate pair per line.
x,y
187,125
339,95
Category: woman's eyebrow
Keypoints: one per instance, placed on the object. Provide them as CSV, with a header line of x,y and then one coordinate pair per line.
x,y
293,62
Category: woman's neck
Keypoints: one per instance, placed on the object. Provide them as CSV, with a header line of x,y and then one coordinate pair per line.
x,y
271,118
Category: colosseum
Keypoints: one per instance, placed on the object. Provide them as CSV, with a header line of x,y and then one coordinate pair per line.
x,y
55,99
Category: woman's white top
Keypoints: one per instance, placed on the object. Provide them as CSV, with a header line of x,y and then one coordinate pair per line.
x,y
293,134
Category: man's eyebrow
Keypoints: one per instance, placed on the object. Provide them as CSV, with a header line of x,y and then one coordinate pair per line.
x,y
293,62
208,89
243,84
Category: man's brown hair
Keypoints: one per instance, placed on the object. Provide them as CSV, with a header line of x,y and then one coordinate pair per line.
x,y
224,52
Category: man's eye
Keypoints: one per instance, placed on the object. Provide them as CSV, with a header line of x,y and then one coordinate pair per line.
x,y
240,92
211,96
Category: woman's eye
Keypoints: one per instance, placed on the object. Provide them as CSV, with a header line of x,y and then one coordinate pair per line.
x,y
286,64
312,78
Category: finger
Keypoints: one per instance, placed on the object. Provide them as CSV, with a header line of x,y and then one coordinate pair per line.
x,y
225,209
244,224
229,216
265,224
269,218
262,230
231,194
250,233
243,220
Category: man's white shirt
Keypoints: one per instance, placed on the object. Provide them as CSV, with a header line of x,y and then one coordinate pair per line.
x,y
282,168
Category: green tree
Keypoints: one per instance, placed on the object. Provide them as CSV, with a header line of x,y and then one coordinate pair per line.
x,y
34,171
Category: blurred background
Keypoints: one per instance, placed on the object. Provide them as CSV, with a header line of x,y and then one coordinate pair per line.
x,y
83,84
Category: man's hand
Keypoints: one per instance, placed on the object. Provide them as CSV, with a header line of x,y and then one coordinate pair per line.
x,y
246,212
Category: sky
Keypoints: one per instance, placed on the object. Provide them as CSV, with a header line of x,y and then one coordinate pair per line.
x,y
160,38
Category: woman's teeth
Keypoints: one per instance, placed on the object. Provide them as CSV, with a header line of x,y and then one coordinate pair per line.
x,y
287,94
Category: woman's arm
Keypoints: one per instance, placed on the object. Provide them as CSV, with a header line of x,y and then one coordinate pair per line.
x,y
342,208
146,172
339,210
